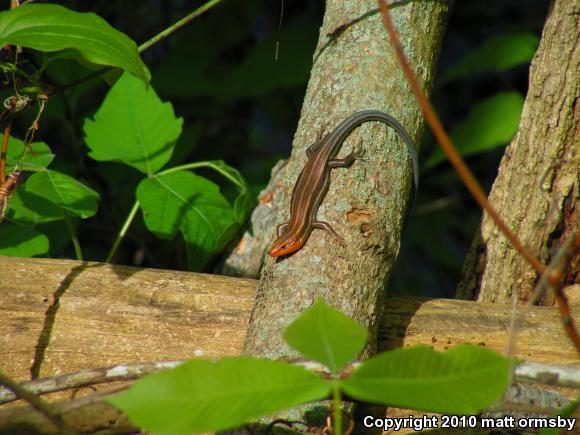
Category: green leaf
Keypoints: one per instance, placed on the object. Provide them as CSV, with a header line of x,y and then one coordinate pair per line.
x,y
64,191
182,201
498,53
463,380
244,202
21,241
32,209
206,396
326,335
490,123
36,158
243,205
48,27
133,126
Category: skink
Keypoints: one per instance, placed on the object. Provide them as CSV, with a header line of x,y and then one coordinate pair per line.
x,y
314,180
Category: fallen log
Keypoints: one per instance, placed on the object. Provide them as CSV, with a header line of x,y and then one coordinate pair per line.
x,y
60,316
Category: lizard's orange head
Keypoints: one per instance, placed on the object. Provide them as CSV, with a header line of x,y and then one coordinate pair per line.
x,y
284,245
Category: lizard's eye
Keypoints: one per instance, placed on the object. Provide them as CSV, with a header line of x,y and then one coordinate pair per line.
x,y
288,243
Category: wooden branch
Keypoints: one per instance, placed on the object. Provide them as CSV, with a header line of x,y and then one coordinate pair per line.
x,y
83,378
108,315
37,403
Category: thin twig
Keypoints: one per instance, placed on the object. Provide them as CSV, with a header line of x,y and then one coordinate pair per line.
x,y
42,99
83,378
448,148
525,372
147,44
178,25
73,235
37,403
5,189
537,373
4,152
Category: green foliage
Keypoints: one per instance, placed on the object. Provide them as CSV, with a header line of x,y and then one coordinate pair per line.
x,y
203,396
133,126
189,203
491,122
64,191
48,28
470,378
326,336
36,158
48,196
498,53
244,201
21,241
32,209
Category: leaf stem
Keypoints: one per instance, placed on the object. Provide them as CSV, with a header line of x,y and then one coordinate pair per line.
x,y
4,152
336,409
73,235
135,208
202,165
178,25
122,232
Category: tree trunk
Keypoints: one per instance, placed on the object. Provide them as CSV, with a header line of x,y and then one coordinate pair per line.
x,y
354,69
537,187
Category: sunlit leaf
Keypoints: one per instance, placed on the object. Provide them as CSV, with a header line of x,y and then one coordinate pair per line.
x,y
204,396
182,201
32,209
50,27
133,126
326,335
464,380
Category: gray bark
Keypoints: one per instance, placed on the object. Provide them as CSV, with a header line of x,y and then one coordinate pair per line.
x,y
537,187
355,68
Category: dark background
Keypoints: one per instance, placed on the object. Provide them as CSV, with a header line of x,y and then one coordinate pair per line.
x,y
242,105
